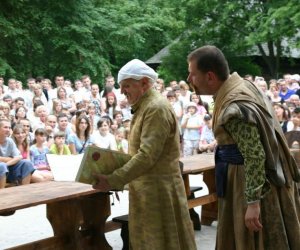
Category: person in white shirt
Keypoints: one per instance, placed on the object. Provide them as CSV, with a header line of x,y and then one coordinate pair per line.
x,y
103,138
12,89
60,82
79,91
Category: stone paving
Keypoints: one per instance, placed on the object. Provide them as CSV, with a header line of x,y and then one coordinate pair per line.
x,y
30,224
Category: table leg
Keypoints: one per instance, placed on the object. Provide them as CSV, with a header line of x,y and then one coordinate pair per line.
x,y
64,216
80,222
95,211
209,211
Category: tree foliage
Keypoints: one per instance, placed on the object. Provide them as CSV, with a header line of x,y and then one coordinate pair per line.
x,y
76,37
240,28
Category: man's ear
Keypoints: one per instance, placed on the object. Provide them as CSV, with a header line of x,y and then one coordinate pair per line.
x,y
211,76
145,82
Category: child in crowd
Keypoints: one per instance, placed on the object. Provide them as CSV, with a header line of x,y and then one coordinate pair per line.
x,y
94,118
111,104
126,122
114,126
207,140
59,147
202,108
191,123
21,141
103,138
122,143
118,116
38,157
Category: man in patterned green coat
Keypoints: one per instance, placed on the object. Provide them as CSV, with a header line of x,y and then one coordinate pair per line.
x,y
158,212
258,204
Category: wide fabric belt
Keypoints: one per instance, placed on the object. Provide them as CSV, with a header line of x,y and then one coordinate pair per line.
x,y
224,155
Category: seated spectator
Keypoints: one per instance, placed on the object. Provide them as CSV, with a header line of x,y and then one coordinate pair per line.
x,y
94,118
111,105
207,140
64,126
59,147
249,77
78,113
262,85
41,114
125,108
21,141
122,143
27,128
57,107
285,93
103,138
38,92
82,137
126,122
65,100
282,114
160,86
38,157
295,99
95,98
19,170
20,114
118,116
273,94
294,123
114,126
6,109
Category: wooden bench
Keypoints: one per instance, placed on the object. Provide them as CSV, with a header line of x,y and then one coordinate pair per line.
x,y
123,221
76,211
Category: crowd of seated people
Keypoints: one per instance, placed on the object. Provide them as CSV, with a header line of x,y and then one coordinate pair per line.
x,y
62,118
44,119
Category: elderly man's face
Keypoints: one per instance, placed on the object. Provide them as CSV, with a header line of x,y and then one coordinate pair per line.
x,y
132,89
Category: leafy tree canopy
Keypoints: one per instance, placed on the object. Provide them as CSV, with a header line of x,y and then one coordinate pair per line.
x,y
77,37
238,28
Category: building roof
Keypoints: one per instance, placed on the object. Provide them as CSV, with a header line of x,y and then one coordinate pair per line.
x,y
289,50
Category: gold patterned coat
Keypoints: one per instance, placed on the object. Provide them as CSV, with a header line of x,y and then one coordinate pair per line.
x,y
158,211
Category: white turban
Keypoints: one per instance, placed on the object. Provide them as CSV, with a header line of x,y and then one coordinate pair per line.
x,y
136,69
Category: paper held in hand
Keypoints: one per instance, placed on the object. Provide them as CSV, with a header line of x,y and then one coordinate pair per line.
x,y
64,167
99,161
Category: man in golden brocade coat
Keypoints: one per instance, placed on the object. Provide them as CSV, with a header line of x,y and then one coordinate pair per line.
x,y
158,211
258,204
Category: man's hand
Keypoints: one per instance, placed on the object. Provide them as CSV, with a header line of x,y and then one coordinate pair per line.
x,y
101,183
252,217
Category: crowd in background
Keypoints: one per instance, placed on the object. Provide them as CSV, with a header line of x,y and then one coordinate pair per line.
x,y
65,117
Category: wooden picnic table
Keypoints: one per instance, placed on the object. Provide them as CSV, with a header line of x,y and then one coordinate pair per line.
x,y
202,164
76,211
